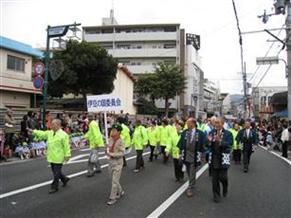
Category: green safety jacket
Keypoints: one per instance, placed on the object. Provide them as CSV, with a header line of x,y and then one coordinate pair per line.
x,y
172,148
58,146
94,135
201,126
125,136
164,135
235,145
152,135
139,139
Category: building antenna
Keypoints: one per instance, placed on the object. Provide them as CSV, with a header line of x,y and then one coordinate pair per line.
x,y
112,12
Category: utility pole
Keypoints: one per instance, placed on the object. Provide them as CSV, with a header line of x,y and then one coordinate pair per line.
x,y
288,43
280,8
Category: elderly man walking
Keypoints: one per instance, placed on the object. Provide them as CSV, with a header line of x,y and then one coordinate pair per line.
x,y
95,139
58,151
220,141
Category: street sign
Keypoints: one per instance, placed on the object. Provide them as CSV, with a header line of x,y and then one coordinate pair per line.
x,y
38,68
57,31
38,82
267,60
99,103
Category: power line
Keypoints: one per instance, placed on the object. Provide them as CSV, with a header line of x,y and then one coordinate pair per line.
x,y
269,49
269,67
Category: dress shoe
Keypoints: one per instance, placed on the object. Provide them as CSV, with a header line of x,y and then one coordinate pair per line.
x,y
66,181
53,190
189,193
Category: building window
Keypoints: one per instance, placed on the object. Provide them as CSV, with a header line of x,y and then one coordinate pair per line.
x,y
15,63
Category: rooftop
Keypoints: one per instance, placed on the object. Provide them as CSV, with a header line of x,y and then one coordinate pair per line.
x,y
133,26
20,47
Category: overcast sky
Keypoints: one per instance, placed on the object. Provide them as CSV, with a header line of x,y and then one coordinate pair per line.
x,y
26,21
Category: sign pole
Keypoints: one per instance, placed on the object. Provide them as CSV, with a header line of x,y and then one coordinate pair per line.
x,y
106,127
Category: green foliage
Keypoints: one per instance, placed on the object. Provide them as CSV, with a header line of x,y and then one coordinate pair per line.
x,y
166,82
87,69
146,107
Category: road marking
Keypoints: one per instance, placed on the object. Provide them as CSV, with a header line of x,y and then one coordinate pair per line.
x,y
84,160
29,188
158,211
85,149
81,156
278,155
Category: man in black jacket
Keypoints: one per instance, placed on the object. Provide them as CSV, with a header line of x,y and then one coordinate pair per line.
x,y
247,137
191,145
220,141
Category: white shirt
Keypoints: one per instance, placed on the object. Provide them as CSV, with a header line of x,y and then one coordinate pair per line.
x,y
248,133
285,135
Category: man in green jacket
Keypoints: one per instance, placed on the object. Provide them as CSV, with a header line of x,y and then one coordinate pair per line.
x,y
58,151
125,136
95,139
139,140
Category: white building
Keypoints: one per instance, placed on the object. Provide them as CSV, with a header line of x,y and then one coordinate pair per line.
x,y
141,47
123,88
16,86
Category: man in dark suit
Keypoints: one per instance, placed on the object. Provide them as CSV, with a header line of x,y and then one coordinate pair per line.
x,y
247,137
191,145
220,142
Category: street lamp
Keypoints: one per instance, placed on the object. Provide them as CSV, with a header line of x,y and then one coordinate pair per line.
x,y
52,32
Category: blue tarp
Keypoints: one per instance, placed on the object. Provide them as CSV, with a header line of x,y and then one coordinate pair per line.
x,y
19,47
283,113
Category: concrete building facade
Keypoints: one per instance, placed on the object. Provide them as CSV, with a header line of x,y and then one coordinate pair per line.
x,y
262,98
16,60
141,47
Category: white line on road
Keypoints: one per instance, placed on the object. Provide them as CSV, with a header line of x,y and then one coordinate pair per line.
x,y
278,155
158,211
81,156
29,188
85,149
84,160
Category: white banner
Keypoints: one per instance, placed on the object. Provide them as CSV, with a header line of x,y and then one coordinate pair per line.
x,y
99,103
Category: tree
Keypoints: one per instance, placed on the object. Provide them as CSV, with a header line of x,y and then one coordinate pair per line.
x,y
88,68
166,82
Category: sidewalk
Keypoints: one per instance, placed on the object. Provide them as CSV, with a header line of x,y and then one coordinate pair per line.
x,y
278,153
18,160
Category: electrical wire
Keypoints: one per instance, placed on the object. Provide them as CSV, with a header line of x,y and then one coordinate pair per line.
x,y
269,49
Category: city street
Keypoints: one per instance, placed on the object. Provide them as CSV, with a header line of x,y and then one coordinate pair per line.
x,y
263,192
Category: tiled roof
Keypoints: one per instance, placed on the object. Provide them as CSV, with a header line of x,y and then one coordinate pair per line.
x,y
20,47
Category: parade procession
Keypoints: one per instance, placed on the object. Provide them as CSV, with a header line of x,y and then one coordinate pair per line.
x,y
182,111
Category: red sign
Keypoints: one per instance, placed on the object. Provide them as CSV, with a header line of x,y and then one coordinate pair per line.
x,y
38,68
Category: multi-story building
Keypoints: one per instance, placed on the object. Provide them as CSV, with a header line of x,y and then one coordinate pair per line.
x,y
16,86
141,47
211,101
262,99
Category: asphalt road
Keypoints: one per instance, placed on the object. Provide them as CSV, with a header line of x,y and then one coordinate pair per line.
x,y
263,192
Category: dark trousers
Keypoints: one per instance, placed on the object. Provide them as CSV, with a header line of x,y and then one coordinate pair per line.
x,y
124,161
139,159
219,175
178,169
152,153
246,158
163,151
237,155
191,172
285,149
58,175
